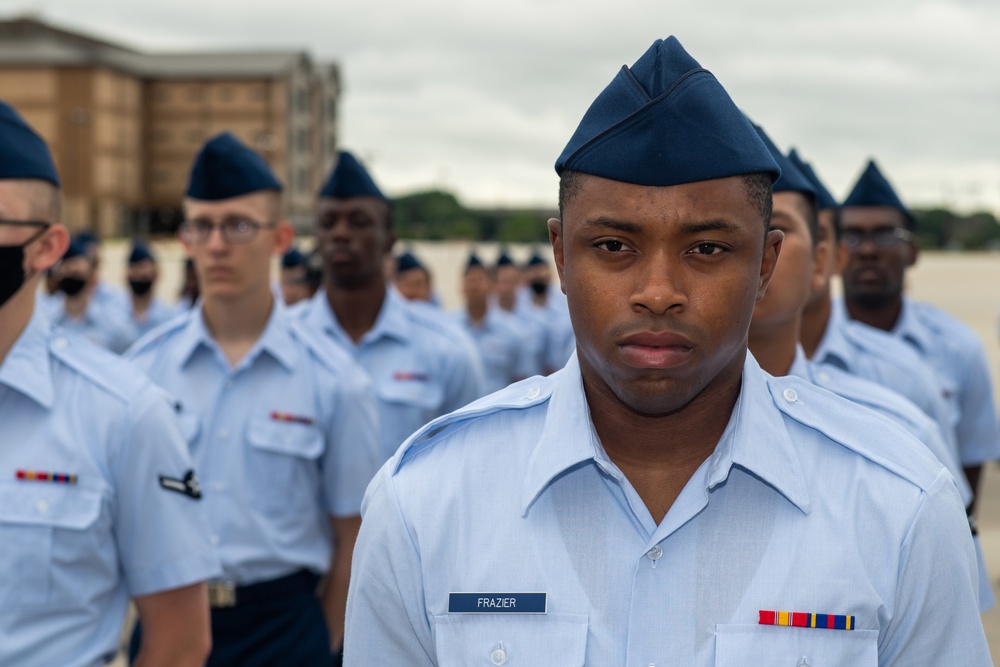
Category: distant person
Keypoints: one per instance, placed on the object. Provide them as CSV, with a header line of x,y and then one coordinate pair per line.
x,y
877,230
144,309
419,368
190,290
541,298
98,500
280,423
831,339
294,278
412,278
530,323
501,348
102,293
662,500
75,307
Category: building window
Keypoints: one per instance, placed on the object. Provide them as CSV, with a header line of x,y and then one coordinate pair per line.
x,y
195,94
301,179
162,136
195,136
301,100
258,93
331,108
331,145
162,94
162,177
226,93
301,140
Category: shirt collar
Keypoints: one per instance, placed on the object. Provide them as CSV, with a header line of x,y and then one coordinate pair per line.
x,y
755,438
911,329
27,368
835,348
392,320
800,365
276,340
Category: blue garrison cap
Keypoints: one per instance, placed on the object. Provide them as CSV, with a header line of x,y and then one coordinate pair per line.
x,y
76,248
536,260
873,189
474,261
791,179
23,154
823,197
665,121
504,259
350,179
87,238
140,253
407,262
293,258
225,168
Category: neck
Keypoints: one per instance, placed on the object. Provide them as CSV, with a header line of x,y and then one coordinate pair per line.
x,y
76,306
881,316
658,465
141,303
237,323
14,318
507,302
815,320
476,311
539,299
357,309
774,346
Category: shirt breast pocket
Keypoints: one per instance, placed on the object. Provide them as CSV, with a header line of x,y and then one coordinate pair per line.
x,y
283,458
511,640
758,645
35,516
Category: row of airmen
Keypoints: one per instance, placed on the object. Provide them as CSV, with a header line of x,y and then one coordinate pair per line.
x,y
287,414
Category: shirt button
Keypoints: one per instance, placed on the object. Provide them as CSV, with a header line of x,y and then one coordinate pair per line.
x,y
790,395
655,552
824,377
498,656
218,486
42,506
533,393
214,539
60,343
804,662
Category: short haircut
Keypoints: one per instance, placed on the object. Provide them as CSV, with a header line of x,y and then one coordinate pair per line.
x,y
757,186
44,199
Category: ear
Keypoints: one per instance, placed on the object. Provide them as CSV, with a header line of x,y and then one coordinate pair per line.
x,y
772,248
556,239
841,258
912,252
284,234
390,241
188,250
821,261
48,249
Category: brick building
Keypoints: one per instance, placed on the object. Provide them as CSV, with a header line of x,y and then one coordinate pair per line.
x,y
124,125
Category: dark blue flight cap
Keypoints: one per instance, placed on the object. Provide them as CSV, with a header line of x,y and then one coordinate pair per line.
x,y
349,178
407,262
873,189
504,259
23,154
76,248
292,259
225,168
536,260
791,179
140,253
823,197
473,262
665,121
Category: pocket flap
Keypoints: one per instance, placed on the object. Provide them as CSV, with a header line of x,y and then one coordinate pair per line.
x,y
48,504
420,393
525,641
754,645
290,438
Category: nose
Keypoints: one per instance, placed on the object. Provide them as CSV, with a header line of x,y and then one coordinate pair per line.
x,y
215,243
661,286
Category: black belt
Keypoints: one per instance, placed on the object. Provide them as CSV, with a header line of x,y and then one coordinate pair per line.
x,y
226,594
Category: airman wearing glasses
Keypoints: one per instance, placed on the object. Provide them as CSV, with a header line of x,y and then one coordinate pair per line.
x,y
281,423
98,501
878,234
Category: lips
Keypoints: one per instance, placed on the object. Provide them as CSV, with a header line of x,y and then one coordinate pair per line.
x,y
656,349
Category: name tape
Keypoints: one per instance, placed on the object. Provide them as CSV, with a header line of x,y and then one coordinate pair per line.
x,y
497,603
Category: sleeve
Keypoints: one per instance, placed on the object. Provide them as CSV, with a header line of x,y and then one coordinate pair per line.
x,y
935,618
387,622
352,455
464,378
161,530
978,438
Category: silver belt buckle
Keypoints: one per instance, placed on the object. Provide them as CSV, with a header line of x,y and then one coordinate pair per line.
x,y
221,594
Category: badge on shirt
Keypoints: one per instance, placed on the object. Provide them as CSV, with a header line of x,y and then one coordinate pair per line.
x,y
188,485
802,619
497,603
410,376
39,476
290,418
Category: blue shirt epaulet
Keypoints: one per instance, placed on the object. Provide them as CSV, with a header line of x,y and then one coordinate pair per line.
x,y
518,396
331,356
105,369
432,321
841,420
161,331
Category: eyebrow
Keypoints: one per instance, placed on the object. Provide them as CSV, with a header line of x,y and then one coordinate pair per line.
x,y
611,223
710,226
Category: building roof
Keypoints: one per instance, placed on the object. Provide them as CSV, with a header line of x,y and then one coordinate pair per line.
x,y
30,42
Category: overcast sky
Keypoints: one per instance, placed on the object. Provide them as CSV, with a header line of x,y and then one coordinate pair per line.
x,y
480,97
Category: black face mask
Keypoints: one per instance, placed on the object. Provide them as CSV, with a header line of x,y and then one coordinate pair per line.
x,y
539,287
140,287
12,274
72,285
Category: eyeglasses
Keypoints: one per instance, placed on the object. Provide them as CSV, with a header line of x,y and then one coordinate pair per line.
x,y
233,230
42,226
883,237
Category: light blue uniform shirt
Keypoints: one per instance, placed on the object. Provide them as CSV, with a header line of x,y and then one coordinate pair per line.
x,y
956,354
71,555
103,323
421,365
501,348
158,313
798,509
534,336
554,314
882,358
282,441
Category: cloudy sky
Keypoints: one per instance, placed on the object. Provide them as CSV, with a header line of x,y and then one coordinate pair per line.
x,y
480,97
